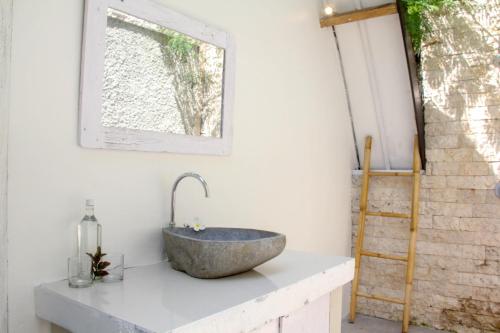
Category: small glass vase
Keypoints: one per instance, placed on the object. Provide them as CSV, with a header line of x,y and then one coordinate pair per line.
x,y
115,269
79,272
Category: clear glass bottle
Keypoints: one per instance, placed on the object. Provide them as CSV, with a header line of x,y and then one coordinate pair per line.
x,y
89,231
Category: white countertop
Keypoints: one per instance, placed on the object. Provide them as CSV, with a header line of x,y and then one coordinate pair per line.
x,y
158,299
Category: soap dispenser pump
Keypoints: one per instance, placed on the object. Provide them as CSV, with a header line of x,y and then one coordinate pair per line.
x,y
89,231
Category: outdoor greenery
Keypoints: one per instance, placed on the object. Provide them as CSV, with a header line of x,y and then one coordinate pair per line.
x,y
98,265
418,13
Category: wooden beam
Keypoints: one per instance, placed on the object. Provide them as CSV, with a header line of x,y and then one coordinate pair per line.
x,y
358,15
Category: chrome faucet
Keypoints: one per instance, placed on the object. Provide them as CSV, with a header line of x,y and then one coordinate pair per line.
x,y
174,188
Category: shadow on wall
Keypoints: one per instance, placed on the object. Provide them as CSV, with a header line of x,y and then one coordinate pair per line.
x,y
461,63
461,76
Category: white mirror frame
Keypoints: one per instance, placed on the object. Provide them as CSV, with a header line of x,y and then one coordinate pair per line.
x,y
93,134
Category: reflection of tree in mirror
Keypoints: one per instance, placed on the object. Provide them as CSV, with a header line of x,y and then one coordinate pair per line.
x,y
196,69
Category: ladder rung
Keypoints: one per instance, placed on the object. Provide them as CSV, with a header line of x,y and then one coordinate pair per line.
x,y
388,214
390,174
383,256
382,298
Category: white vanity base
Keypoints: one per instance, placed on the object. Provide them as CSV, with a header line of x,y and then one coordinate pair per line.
x,y
293,293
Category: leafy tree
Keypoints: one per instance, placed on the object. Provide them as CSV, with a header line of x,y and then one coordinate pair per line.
x,y
418,13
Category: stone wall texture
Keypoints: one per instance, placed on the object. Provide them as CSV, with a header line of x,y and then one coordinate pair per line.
x,y
137,89
457,274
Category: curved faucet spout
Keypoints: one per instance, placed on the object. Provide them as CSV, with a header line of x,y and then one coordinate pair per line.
x,y
174,189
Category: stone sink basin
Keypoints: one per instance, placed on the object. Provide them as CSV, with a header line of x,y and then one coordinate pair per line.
x,y
218,252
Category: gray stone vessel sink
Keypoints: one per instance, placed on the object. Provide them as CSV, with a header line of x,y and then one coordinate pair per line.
x,y
218,252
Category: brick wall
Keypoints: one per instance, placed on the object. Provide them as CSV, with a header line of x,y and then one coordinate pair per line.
x,y
457,276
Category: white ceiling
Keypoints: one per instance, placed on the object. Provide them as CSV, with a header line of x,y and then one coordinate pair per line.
x,y
378,86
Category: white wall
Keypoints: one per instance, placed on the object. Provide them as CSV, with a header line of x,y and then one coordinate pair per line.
x,y
5,50
289,170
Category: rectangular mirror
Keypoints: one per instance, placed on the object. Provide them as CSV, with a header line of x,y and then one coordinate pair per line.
x,y
154,80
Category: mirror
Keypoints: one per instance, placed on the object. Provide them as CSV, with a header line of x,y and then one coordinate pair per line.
x,y
154,80
157,79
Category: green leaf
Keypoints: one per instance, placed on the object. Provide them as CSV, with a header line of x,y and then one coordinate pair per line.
x,y
101,273
417,17
103,264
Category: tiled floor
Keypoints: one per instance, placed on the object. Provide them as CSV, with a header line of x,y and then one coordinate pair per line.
x,y
366,324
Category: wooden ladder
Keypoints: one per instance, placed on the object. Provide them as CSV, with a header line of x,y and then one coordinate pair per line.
x,y
413,218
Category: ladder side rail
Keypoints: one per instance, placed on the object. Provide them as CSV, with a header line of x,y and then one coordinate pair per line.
x,y
417,166
361,226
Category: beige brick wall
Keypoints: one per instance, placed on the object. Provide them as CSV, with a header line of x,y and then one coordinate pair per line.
x,y
457,276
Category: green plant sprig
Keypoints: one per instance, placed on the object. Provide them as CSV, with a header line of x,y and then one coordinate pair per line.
x,y
98,265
